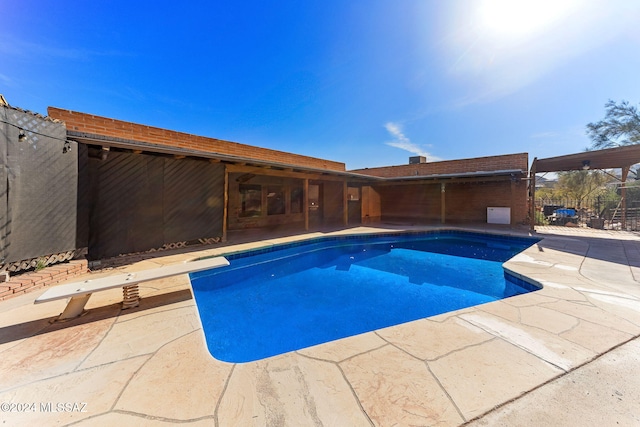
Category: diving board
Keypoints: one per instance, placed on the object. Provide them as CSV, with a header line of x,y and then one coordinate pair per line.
x,y
80,292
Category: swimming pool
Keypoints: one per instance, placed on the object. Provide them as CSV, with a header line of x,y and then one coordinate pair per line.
x,y
292,296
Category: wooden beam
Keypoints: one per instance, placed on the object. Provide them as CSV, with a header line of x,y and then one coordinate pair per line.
x,y
623,194
225,210
453,180
345,204
306,205
443,192
242,179
512,204
283,173
532,195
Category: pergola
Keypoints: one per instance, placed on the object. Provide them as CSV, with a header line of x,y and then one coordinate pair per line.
x,y
610,158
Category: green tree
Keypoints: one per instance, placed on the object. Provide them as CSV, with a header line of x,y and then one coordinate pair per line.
x,y
621,126
546,194
580,185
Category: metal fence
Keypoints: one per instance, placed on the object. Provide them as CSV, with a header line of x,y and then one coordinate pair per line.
x,y
599,212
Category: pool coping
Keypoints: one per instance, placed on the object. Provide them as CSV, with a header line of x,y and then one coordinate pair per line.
x,y
205,284
421,372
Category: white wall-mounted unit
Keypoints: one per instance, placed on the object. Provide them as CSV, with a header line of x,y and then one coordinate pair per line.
x,y
496,215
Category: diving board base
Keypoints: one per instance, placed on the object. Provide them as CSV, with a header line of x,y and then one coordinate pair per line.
x,y
80,292
74,308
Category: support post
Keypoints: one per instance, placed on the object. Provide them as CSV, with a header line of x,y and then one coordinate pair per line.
x,y
225,203
74,308
532,195
345,205
306,204
443,192
512,204
623,194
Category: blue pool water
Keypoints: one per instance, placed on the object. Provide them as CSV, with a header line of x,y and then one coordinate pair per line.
x,y
285,298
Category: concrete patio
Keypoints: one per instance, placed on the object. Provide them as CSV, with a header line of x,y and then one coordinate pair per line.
x,y
568,354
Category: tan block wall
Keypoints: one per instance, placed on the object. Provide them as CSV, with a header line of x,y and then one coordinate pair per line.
x,y
97,125
492,163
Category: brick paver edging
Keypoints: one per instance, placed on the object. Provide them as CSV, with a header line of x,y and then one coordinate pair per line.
x,y
48,276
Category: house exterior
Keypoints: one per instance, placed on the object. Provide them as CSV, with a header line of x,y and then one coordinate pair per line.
x,y
145,188
452,192
140,188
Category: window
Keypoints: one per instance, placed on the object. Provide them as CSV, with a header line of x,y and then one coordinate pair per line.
x,y
250,200
353,193
297,199
275,200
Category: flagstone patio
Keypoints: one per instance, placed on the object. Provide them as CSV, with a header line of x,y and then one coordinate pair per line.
x,y
565,355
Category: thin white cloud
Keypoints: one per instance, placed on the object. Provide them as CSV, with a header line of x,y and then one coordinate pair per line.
x,y
402,142
6,80
21,48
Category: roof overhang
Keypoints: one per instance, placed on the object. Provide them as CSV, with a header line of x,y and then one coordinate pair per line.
x,y
114,142
610,158
508,173
104,141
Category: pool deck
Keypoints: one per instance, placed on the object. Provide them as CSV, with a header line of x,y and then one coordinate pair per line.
x,y
568,354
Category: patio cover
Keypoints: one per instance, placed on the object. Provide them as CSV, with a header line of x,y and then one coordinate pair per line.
x,y
610,158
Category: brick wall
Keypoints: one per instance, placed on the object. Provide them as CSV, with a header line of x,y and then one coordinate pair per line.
x,y
492,163
464,202
468,202
413,203
91,124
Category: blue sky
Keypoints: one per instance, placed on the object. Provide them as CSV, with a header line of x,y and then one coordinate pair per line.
x,y
364,82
